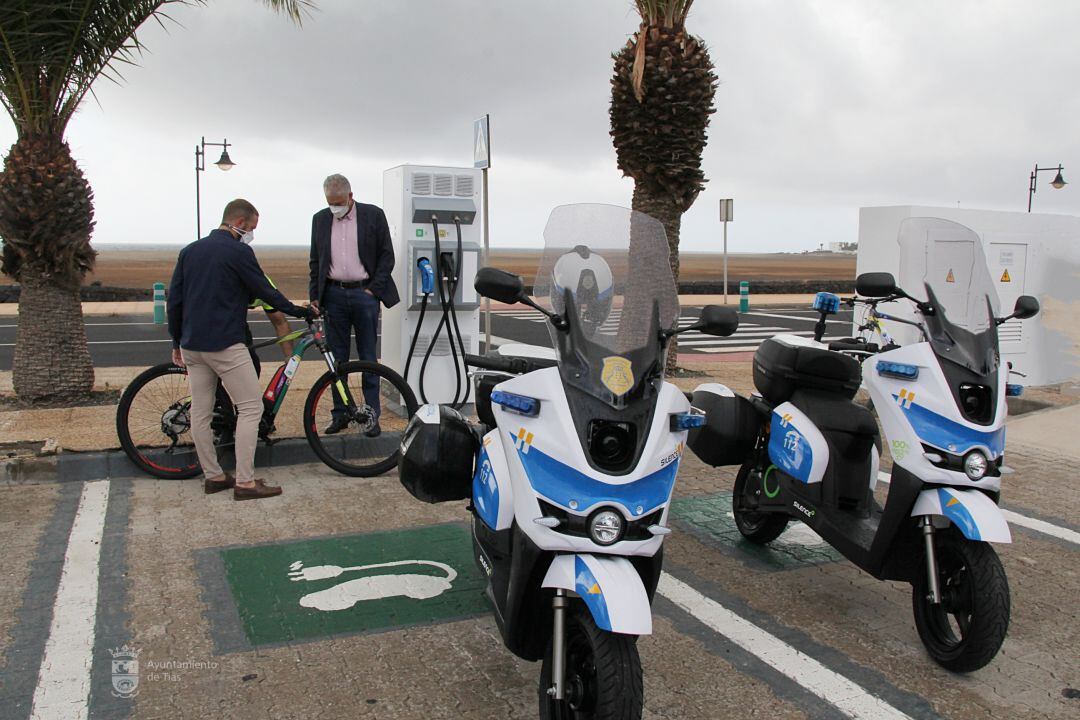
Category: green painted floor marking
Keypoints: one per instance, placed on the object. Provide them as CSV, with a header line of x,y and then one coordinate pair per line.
x,y
336,591
709,518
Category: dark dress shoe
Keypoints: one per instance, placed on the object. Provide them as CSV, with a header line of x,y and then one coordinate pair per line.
x,y
374,432
261,490
213,486
336,425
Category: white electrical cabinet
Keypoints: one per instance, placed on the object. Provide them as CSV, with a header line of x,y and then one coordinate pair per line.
x,y
412,195
1025,253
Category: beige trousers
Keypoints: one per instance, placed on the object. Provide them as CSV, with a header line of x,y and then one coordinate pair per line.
x,y
233,365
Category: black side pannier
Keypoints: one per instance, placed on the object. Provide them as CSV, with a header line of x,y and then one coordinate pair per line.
x,y
782,366
731,426
438,451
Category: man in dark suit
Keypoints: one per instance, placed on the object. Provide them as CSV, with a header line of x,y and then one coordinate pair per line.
x,y
351,261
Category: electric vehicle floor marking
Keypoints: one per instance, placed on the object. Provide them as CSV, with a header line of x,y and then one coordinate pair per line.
x,y
1030,523
63,686
851,699
308,589
709,519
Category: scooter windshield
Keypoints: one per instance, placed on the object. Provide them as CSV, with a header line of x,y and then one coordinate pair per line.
x,y
948,259
606,270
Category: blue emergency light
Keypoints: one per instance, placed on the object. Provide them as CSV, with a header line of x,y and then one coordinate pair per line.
x,y
827,303
903,371
520,404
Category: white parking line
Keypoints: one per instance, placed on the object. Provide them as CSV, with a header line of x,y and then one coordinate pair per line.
x,y
741,348
796,317
1016,518
851,699
63,686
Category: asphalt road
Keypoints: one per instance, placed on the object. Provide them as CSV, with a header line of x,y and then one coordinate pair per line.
x,y
137,341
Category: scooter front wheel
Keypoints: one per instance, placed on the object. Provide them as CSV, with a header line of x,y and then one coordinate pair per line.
x,y
757,527
603,674
965,631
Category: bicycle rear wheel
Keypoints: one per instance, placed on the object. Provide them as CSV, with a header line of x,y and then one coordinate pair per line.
x,y
153,422
356,449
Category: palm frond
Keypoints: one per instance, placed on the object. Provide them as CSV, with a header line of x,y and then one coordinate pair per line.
x,y
664,13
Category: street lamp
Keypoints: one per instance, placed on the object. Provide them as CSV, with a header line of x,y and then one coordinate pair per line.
x,y
224,162
1057,183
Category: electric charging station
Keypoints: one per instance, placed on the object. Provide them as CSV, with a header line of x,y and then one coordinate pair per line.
x,y
434,219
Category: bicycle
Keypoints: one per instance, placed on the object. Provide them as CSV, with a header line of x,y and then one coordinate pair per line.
x,y
153,419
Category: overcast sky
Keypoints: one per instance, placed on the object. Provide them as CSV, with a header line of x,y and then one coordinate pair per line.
x,y
823,107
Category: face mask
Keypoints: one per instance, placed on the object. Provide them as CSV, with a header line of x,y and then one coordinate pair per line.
x,y
339,210
246,236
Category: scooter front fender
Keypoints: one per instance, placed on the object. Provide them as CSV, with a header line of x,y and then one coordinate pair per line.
x,y
977,516
610,587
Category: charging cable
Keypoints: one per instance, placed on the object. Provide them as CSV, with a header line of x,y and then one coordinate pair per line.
x,y
427,285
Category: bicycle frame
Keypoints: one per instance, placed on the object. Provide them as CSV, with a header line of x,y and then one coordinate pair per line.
x,y
278,387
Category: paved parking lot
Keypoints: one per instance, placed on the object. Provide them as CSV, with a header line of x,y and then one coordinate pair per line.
x,y
208,608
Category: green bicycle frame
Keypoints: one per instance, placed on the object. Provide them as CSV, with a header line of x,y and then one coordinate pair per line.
x,y
279,384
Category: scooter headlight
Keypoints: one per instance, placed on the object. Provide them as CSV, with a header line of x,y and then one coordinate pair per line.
x,y
606,527
976,465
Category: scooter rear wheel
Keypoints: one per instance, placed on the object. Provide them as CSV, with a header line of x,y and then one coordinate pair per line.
x,y
603,673
757,527
965,631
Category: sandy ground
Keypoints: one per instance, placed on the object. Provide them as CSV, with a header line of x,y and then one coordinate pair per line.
x,y
289,266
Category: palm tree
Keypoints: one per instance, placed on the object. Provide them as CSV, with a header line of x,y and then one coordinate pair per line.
x,y
51,52
661,99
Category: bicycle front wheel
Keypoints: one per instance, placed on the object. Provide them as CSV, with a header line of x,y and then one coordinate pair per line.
x,y
153,422
359,435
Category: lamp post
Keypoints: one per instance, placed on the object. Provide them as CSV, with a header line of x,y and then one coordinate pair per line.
x,y
224,162
1058,182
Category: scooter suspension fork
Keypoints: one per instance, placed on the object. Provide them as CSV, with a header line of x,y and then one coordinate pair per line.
x,y
558,645
931,559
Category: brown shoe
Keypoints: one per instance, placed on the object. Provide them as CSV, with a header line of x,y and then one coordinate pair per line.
x,y
213,486
261,490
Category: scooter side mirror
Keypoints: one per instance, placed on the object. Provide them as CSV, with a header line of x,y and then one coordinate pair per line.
x,y
1026,307
499,285
875,284
717,320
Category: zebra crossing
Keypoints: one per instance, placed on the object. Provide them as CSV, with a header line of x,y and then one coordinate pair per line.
x,y
746,338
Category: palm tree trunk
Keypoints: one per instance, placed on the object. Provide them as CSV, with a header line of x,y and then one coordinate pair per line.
x,y
670,215
52,362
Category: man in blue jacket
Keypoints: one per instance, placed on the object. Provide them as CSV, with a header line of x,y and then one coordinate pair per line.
x,y
351,261
214,281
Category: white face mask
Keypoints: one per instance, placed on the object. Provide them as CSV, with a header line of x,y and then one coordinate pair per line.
x,y
246,236
339,211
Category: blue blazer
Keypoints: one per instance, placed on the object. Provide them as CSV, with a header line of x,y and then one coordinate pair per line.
x,y
372,245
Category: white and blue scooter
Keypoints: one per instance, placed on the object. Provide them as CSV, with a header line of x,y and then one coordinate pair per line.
x,y
941,403
578,455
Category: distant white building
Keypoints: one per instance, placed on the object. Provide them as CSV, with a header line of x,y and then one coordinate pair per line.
x,y
848,248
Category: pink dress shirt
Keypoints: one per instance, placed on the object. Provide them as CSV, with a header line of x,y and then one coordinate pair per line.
x,y
345,265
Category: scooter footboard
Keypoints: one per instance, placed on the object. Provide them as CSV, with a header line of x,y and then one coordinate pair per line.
x,y
977,516
610,587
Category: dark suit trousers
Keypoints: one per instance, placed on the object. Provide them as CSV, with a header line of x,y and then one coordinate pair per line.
x,y
347,311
